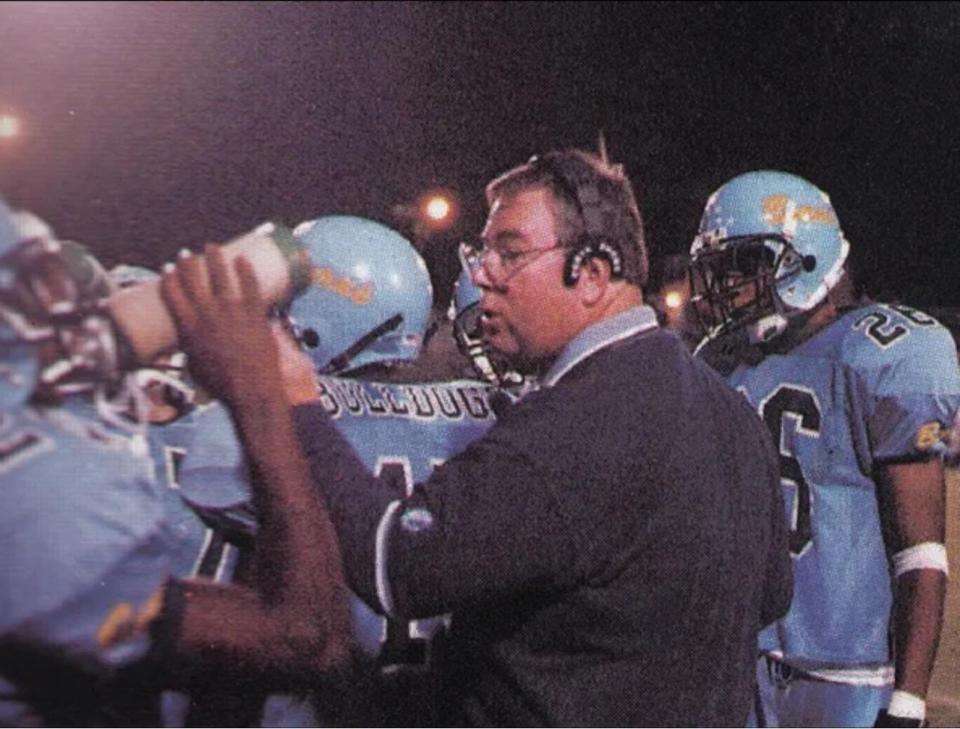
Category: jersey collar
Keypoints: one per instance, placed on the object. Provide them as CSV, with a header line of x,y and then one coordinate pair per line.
x,y
594,338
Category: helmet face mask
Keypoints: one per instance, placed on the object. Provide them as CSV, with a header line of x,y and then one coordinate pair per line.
x,y
37,299
37,282
768,249
466,327
467,331
734,282
54,322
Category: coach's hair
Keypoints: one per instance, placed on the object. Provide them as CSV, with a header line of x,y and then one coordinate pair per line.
x,y
593,203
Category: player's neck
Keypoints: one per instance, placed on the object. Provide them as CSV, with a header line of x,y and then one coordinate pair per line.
x,y
804,328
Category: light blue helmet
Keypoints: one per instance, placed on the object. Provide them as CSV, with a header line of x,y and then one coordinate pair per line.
x,y
369,295
19,366
775,234
468,332
466,325
49,293
87,272
466,294
18,362
9,234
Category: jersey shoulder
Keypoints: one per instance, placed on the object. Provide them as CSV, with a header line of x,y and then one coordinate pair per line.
x,y
214,477
71,509
896,343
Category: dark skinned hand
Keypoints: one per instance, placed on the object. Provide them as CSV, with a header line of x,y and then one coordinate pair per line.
x,y
221,318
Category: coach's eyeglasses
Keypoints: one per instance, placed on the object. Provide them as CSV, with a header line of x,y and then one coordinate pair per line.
x,y
500,265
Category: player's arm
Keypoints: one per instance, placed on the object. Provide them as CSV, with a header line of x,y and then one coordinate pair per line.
x,y
913,513
294,618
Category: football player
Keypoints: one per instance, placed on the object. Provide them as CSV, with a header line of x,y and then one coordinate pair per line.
x,y
855,395
195,548
362,323
93,623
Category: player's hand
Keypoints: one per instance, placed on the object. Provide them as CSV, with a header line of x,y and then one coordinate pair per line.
x,y
890,720
296,368
222,322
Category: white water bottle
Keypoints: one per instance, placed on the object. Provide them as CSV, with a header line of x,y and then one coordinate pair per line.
x,y
282,268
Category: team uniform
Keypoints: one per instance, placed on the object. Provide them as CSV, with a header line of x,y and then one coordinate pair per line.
x,y
554,621
846,393
86,553
93,527
399,431
872,388
198,549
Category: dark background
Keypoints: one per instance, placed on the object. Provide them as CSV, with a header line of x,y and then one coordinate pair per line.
x,y
148,126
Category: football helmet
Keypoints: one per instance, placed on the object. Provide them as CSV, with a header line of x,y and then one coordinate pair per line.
x,y
49,296
19,367
91,277
86,271
466,325
465,312
36,290
369,294
769,247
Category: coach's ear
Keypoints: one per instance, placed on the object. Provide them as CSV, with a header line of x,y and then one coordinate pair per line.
x,y
595,278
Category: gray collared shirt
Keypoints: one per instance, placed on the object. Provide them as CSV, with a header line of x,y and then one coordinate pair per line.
x,y
596,337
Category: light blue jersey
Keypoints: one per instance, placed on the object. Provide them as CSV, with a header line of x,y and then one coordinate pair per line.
x,y
85,555
198,549
400,431
866,391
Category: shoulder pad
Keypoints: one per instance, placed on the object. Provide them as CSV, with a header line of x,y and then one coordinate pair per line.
x,y
880,334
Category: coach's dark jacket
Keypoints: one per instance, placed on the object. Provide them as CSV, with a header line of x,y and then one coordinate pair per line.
x,y
608,551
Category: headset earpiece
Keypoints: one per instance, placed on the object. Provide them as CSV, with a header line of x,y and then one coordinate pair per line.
x,y
578,256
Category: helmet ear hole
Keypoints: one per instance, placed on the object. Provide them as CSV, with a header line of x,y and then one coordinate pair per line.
x,y
310,338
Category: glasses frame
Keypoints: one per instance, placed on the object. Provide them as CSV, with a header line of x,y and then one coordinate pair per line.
x,y
508,263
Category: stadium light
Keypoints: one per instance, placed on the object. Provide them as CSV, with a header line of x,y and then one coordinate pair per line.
x,y
437,210
673,299
9,126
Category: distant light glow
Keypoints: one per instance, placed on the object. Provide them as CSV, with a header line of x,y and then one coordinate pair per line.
x,y
437,208
673,300
9,126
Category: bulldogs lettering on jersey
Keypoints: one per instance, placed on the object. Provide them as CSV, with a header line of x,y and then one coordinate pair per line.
x,y
457,401
400,431
857,395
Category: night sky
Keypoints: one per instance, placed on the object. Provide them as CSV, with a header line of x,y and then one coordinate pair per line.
x,y
148,127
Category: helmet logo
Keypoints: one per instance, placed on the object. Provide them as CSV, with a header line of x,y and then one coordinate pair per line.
x,y
781,210
359,293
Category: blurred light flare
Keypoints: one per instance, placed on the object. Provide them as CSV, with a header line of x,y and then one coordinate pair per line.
x,y
437,208
673,300
9,126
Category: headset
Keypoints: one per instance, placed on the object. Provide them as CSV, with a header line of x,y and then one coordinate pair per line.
x,y
585,196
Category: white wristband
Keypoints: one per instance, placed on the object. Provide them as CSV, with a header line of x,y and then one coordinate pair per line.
x,y
923,556
907,706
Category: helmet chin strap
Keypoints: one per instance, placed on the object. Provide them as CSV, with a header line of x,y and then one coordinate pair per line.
x,y
340,362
